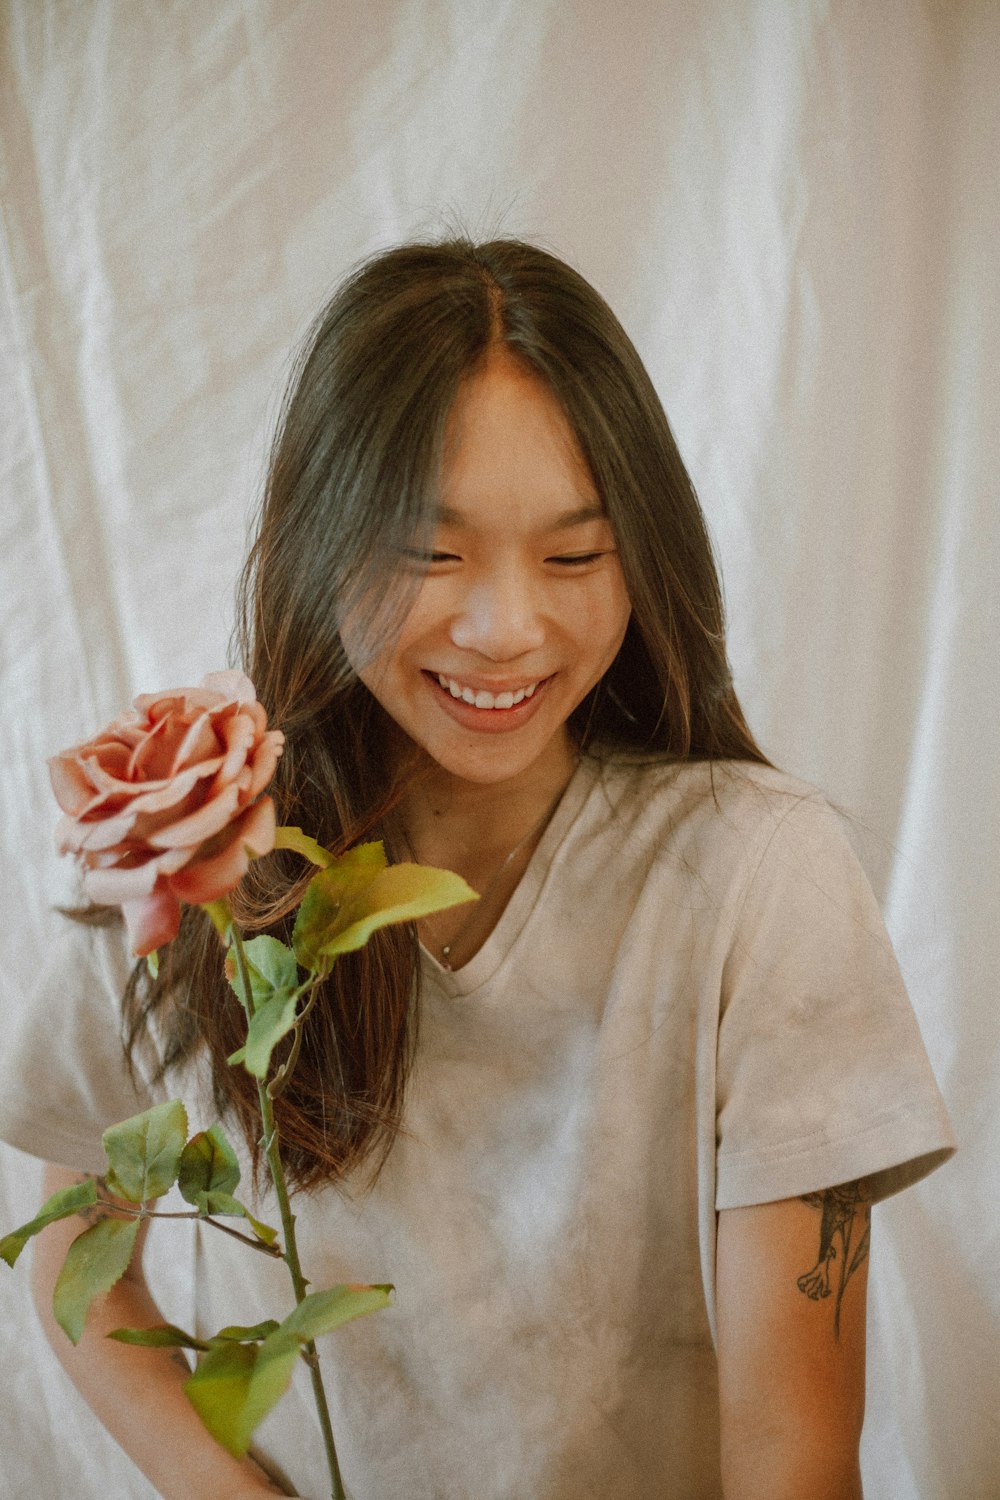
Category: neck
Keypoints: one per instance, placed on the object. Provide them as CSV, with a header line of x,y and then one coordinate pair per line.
x,y
463,825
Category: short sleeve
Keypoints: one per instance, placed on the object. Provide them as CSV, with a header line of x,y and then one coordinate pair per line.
x,y
822,1075
63,1073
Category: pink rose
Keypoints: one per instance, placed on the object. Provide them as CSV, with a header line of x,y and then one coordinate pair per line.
x,y
164,804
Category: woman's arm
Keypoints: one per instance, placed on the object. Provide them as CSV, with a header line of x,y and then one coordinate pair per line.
x,y
791,1280
137,1393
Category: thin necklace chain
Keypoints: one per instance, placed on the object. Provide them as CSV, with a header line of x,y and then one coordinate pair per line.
x,y
537,829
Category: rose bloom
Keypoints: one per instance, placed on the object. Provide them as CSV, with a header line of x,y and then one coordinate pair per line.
x,y
164,804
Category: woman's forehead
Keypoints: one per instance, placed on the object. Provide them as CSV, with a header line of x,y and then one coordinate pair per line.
x,y
547,521
508,439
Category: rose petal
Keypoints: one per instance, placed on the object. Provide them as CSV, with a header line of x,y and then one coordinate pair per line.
x,y
152,922
239,736
73,836
127,858
116,886
208,879
199,825
147,824
140,803
265,761
128,734
231,684
154,706
257,827
153,757
107,775
199,743
157,796
103,859
112,755
108,821
259,716
190,700
89,768
70,782
122,728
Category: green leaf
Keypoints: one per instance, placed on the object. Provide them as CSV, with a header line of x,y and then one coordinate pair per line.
x,y
326,894
218,1391
271,965
344,904
61,1205
400,893
262,1231
208,1165
237,1332
94,1262
224,1206
317,915
276,1358
153,963
286,837
274,961
363,857
162,1336
236,1385
321,1312
267,1026
144,1152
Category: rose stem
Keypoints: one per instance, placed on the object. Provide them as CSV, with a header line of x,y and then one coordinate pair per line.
x,y
291,1256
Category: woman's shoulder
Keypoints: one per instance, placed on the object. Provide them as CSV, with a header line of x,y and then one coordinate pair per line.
x,y
720,817
735,792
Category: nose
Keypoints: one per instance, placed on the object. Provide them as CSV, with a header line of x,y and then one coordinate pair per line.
x,y
499,617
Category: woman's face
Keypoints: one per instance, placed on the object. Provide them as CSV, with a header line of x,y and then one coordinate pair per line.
x,y
521,604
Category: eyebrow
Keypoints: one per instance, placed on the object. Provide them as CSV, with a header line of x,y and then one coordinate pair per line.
x,y
447,516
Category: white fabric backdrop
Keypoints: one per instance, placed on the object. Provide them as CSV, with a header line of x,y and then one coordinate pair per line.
x,y
792,204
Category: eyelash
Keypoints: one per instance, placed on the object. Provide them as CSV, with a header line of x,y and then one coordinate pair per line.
x,y
575,560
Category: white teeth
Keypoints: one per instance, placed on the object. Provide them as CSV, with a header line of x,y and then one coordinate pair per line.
x,y
483,699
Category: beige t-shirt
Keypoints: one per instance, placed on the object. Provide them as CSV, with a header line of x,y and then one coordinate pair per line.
x,y
690,1003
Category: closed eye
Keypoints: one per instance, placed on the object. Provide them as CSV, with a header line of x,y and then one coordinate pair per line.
x,y
576,559
413,555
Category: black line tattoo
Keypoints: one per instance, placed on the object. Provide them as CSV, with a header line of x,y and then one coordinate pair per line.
x,y
844,1237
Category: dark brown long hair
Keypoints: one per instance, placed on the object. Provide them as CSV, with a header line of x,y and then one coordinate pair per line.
x,y
353,475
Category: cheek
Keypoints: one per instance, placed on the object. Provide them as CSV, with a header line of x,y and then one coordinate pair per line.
x,y
602,615
378,628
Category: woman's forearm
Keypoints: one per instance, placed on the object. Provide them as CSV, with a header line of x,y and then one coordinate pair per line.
x,y
790,1467
138,1393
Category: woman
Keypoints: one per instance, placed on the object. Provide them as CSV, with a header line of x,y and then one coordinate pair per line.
x,y
613,1131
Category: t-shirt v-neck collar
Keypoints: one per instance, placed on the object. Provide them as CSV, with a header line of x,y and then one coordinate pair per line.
x,y
484,964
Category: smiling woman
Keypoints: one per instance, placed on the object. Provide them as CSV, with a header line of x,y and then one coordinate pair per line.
x,y
522,607
621,1171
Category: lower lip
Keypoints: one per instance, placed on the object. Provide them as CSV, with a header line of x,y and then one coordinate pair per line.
x,y
488,720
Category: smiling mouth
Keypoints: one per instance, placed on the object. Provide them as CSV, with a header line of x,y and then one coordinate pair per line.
x,y
480,697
